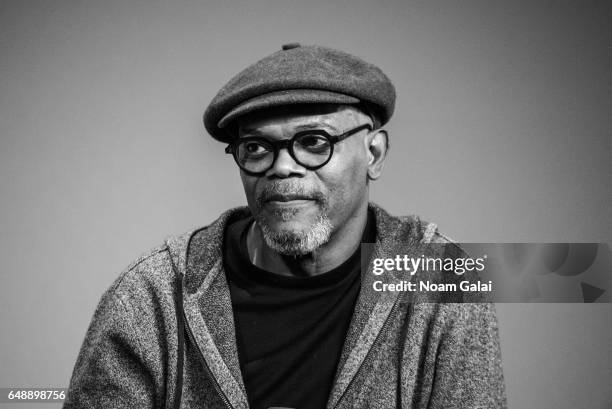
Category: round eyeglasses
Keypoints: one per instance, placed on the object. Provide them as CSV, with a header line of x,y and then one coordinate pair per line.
x,y
311,149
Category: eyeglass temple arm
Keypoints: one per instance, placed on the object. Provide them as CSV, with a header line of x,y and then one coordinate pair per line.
x,y
338,138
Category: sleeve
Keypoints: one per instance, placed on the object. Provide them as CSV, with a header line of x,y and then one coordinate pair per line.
x,y
110,371
468,370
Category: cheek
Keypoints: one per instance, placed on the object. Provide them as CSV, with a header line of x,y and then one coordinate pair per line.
x,y
249,185
346,182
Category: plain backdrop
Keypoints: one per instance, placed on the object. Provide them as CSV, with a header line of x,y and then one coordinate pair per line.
x,y
502,133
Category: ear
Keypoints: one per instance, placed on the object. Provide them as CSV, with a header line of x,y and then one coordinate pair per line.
x,y
377,145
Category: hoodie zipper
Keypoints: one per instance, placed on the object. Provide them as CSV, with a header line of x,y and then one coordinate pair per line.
x,y
368,355
212,377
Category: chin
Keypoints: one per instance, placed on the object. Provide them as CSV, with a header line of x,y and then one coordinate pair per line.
x,y
282,213
295,237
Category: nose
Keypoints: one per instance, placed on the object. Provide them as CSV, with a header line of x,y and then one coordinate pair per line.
x,y
285,166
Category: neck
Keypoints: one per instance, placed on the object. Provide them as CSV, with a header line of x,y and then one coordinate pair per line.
x,y
344,241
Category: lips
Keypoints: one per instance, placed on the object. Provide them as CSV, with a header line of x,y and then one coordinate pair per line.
x,y
286,197
288,194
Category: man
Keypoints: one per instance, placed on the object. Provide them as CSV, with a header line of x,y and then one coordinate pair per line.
x,y
269,305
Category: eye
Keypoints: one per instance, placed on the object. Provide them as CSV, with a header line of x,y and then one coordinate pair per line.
x,y
313,142
253,149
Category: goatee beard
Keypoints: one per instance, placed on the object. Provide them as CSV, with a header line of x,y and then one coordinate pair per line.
x,y
293,242
297,242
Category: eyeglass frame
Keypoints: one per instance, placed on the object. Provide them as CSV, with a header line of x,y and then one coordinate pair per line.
x,y
288,144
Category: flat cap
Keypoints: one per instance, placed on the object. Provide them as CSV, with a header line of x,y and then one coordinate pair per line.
x,y
300,75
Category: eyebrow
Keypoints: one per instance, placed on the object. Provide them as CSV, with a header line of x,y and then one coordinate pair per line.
x,y
298,128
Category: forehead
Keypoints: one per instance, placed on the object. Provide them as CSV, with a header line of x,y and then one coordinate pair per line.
x,y
333,117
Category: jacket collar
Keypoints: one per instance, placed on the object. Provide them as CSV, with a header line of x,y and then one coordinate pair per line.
x,y
208,309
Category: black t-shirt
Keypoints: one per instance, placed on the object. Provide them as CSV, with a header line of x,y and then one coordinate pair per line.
x,y
289,330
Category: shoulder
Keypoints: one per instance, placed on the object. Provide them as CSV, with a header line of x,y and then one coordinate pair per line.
x,y
450,246
154,273
431,236
413,229
147,275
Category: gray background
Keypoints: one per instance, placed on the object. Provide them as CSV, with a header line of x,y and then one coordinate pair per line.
x,y
502,133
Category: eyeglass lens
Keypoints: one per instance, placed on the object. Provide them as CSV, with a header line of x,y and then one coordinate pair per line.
x,y
309,150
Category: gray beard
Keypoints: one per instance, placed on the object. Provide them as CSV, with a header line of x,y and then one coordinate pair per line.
x,y
297,242
294,242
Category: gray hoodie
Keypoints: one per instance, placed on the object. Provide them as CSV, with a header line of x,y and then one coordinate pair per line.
x,y
163,335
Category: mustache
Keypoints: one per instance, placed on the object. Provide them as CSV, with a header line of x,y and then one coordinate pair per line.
x,y
279,190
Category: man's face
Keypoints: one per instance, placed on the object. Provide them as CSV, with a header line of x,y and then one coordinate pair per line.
x,y
298,209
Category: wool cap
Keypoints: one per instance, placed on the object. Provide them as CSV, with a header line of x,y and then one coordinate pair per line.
x,y
300,75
